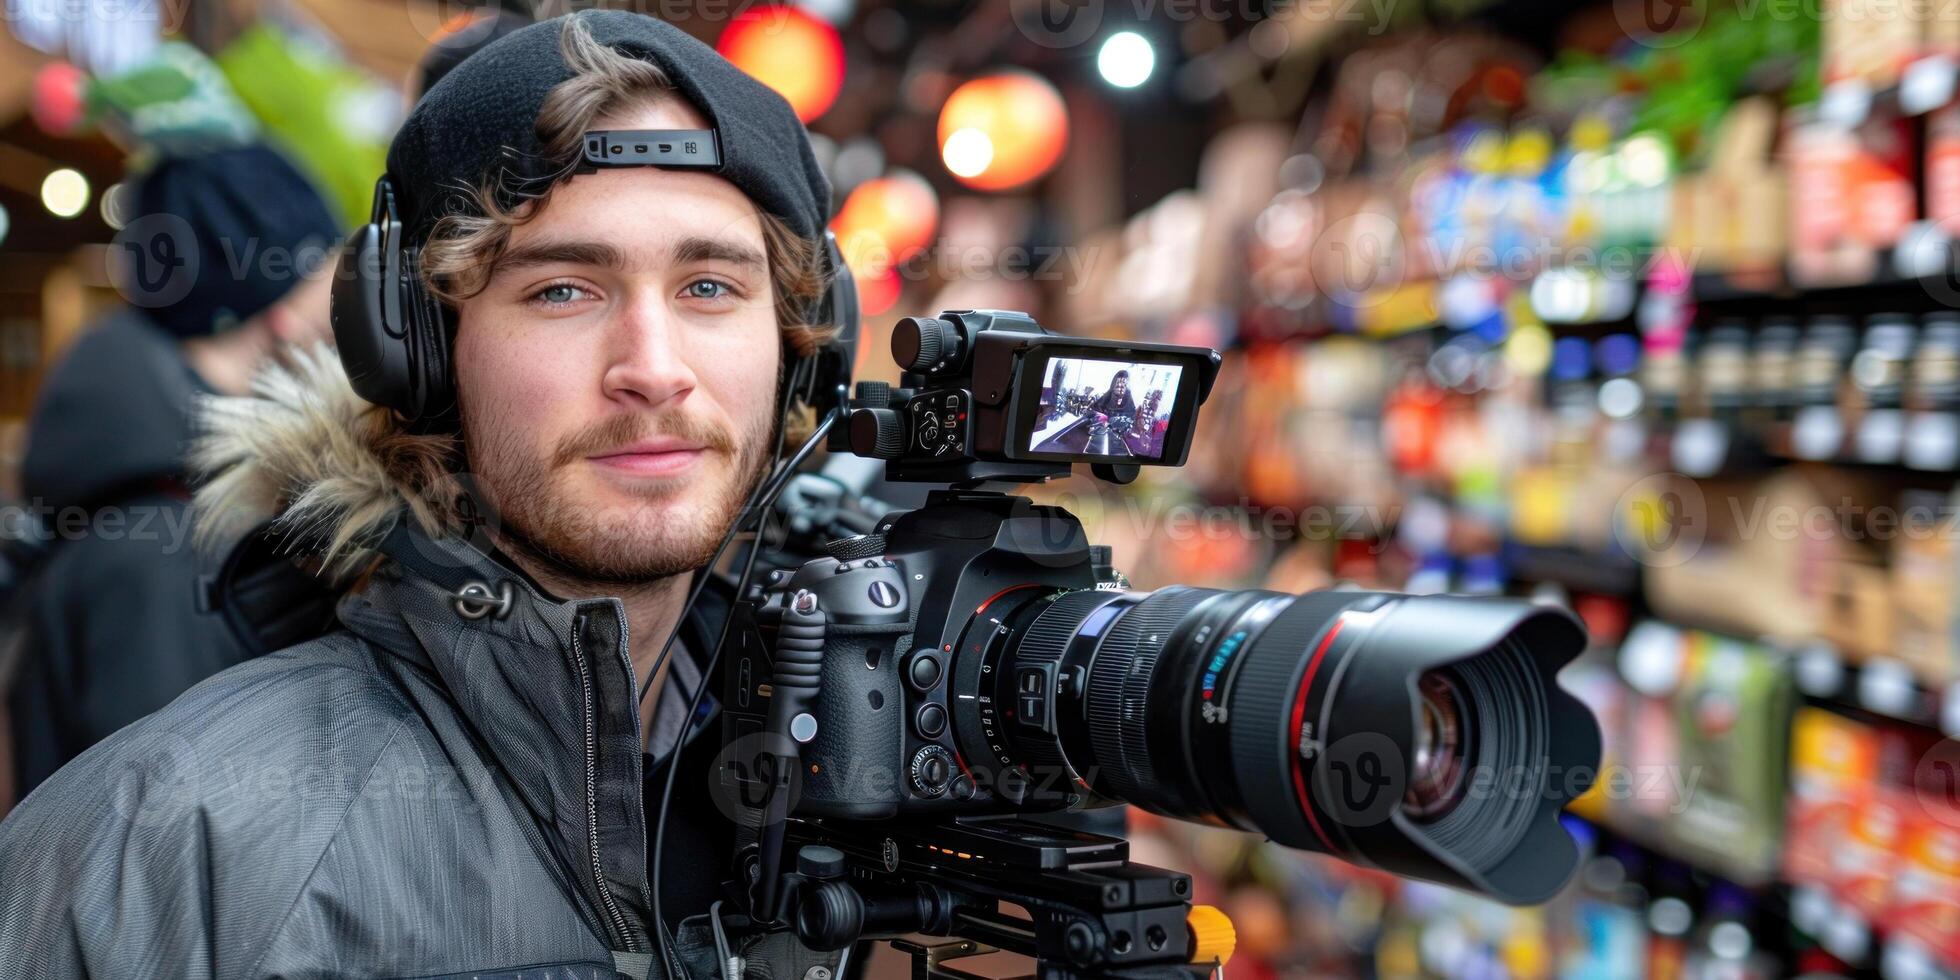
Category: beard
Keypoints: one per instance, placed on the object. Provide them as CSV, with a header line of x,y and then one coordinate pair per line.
x,y
671,528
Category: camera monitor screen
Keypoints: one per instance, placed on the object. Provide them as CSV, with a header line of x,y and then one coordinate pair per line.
x,y
1106,408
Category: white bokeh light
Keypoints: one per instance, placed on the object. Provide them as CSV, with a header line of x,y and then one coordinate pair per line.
x,y
65,193
967,152
1126,59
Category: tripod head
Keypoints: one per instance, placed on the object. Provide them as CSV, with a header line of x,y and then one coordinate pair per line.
x,y
1090,912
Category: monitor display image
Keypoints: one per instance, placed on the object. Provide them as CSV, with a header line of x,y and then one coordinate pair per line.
x,y
1105,408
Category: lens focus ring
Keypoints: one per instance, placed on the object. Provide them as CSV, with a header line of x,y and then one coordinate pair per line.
x,y
1044,645
1119,690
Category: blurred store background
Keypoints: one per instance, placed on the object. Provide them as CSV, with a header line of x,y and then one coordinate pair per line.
x,y
1647,307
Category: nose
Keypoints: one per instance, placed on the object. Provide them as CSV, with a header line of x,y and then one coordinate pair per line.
x,y
646,361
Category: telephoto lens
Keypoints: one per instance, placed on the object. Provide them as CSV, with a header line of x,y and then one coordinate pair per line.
x,y
1424,735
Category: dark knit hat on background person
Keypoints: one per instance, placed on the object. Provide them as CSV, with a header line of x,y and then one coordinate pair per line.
x,y
480,121
471,33
213,240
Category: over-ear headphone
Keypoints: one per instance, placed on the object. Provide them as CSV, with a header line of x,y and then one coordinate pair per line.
x,y
394,335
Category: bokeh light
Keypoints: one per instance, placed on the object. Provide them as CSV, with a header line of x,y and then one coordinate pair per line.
x,y
65,193
1126,59
60,101
1001,131
787,49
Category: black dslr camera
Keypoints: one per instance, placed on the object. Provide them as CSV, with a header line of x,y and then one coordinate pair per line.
x,y
895,711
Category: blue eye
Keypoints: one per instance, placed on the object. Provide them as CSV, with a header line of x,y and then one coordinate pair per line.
x,y
707,289
559,294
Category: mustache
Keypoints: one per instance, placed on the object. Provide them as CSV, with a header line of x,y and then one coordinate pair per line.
x,y
623,430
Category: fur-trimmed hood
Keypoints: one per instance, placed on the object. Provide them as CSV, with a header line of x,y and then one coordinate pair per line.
x,y
332,471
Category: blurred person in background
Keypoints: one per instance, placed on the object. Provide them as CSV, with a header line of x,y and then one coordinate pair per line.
x,y
226,260
464,35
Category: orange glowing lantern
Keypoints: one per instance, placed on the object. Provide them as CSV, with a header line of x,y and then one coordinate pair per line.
x,y
790,51
1001,131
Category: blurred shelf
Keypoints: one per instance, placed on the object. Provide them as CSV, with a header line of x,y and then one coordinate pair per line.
x,y
1924,85
1810,910
1576,569
1647,840
1923,271
1881,686
1847,934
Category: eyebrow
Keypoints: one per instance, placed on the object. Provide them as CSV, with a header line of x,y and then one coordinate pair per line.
x,y
550,252
697,248
692,249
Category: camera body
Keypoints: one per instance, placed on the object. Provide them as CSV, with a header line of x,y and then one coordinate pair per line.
x,y
892,734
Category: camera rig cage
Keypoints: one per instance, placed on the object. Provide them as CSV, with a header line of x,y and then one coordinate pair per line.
x,y
968,409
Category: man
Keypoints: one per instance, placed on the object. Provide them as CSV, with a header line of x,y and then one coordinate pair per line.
x,y
455,782
110,627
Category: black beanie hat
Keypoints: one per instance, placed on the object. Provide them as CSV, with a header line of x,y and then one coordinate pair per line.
x,y
214,239
480,120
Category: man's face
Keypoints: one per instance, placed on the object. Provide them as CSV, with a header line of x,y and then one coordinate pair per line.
x,y
617,375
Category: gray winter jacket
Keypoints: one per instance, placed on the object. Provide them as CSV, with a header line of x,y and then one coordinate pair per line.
x,y
445,787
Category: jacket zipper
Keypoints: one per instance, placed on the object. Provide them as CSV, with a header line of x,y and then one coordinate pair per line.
x,y
592,791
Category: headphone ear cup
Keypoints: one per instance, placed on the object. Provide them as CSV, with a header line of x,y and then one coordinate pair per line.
x,y
833,363
428,342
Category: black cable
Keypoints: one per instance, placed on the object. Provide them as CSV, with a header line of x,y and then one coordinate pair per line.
x,y
767,493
